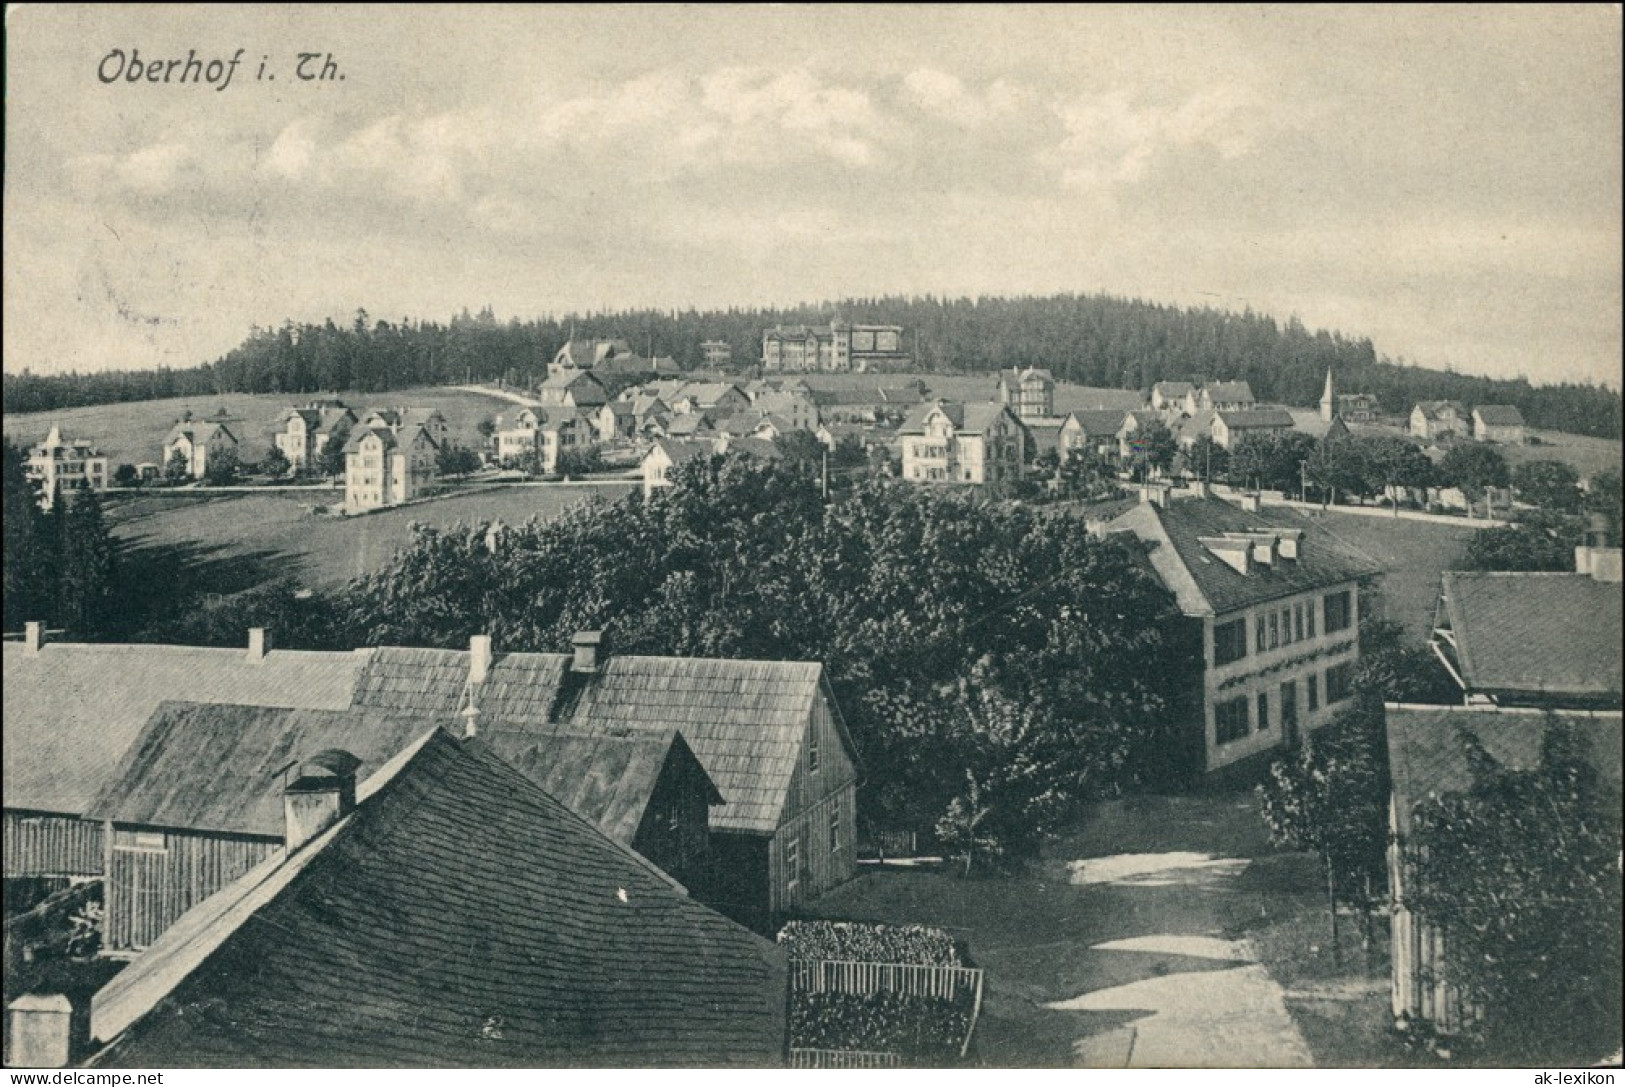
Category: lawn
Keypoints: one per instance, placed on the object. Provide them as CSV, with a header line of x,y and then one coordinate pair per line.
x,y
1414,553
1148,895
133,433
250,538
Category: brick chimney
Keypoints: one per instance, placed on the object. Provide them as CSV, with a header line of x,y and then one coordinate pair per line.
x,y
587,645
321,793
1252,503
259,643
479,658
33,637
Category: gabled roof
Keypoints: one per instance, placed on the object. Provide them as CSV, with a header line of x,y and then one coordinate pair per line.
x,y
1499,415
1141,417
745,720
978,417
72,710
1193,426
1257,419
1173,390
707,393
218,768
460,917
678,451
1046,434
1432,409
1204,584
580,383
606,778
761,448
1427,758
1556,634
1099,424
1228,392
692,422
1028,373
312,417
199,430
386,437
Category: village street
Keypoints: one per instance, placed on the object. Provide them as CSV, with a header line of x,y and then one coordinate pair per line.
x,y
1129,945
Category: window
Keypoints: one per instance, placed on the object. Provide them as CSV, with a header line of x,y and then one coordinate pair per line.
x,y
1311,683
1309,617
1297,621
141,841
1230,720
1339,613
792,864
1263,713
1275,630
1229,641
812,749
1286,626
1258,632
1339,682
835,830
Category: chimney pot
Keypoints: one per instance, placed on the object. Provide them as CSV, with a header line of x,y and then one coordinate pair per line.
x,y
33,637
259,643
587,644
479,658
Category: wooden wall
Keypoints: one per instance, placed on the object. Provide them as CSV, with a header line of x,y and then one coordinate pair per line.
x,y
155,876
42,844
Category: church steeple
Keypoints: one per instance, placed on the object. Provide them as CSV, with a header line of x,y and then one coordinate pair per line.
x,y
1328,399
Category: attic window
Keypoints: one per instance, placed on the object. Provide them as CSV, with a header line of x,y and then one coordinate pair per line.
x,y
812,751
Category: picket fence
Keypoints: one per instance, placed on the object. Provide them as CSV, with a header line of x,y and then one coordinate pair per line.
x,y
911,979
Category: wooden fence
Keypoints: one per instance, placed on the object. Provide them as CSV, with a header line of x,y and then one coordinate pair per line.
x,y
831,976
843,1058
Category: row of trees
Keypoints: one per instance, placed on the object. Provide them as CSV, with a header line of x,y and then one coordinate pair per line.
x,y
1097,340
61,565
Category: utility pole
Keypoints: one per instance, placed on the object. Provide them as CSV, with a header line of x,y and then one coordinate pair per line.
x,y
826,475
1303,481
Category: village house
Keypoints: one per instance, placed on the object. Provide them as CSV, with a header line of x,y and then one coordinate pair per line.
x,y
1130,424
1435,419
1535,639
580,355
1278,602
73,710
715,354
1091,432
835,348
1499,423
1029,392
514,439
867,405
979,444
445,911
796,408
386,466
1222,396
198,441
768,733
1427,757
556,437
616,421
694,424
577,390
717,398
1171,396
1229,427
303,432
65,464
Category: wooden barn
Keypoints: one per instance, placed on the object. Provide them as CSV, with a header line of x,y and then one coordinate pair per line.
x,y
198,800
457,916
72,710
768,733
1428,758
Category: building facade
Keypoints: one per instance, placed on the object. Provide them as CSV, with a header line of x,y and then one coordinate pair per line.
x,y
1029,392
198,441
975,444
1435,419
385,468
1499,423
303,432
66,464
837,347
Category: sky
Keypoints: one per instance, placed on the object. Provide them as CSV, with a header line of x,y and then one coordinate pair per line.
x,y
1445,181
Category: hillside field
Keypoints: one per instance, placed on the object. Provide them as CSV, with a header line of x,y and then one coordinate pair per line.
x,y
133,433
264,536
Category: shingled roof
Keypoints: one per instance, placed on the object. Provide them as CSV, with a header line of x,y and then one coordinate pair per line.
x,y
1204,584
218,768
72,710
744,720
1499,415
1428,758
1537,633
460,917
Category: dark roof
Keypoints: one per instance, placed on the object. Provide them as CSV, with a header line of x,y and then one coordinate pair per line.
x,y
608,779
461,917
1256,419
1536,633
360,434
1206,585
1016,376
972,418
1499,415
1432,408
1427,758
1228,392
677,451
219,768
744,720
1173,389
762,448
71,711
1099,423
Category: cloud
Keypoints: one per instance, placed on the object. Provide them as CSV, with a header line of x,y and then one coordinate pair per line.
x,y
943,95
1112,139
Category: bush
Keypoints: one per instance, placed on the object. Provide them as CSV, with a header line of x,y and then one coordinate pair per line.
x,y
844,942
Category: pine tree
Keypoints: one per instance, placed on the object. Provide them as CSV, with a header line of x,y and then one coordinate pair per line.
x,y
86,558
27,551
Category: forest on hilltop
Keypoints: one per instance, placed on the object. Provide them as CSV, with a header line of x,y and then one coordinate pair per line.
x,y
1094,340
